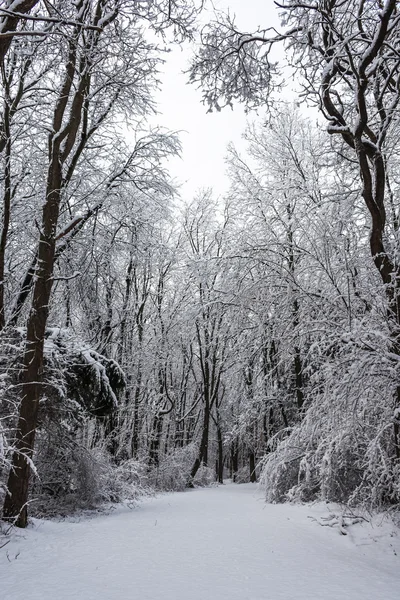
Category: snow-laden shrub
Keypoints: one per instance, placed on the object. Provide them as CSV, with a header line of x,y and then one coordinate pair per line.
x,y
81,390
242,475
81,374
172,474
67,483
280,473
305,467
72,477
343,450
205,476
126,481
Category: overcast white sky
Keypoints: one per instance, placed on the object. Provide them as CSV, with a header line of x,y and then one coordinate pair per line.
x,y
205,136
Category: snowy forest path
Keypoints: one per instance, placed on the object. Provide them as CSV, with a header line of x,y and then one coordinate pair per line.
x,y
220,543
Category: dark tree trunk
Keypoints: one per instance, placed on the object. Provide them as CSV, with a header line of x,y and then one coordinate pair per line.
x,y
220,460
252,465
219,464
106,330
127,296
210,390
396,427
15,505
6,211
61,142
155,436
135,423
297,360
298,378
234,460
167,439
202,456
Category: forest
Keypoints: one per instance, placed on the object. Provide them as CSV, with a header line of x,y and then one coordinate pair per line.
x,y
150,341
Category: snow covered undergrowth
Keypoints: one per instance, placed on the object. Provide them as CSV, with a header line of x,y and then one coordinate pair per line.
x,y
220,543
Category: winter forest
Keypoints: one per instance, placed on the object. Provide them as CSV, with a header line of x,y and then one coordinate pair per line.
x,y
151,341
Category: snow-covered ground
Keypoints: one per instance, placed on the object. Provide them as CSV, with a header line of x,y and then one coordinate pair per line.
x,y
220,543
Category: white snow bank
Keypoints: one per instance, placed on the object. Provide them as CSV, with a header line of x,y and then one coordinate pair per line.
x,y
220,543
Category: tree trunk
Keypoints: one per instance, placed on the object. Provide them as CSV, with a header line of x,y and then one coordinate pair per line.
x,y
252,465
61,142
6,212
135,423
202,456
16,501
298,378
234,460
154,451
220,460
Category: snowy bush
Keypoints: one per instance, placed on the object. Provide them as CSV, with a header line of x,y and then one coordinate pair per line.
x,y
173,472
68,477
127,481
242,475
81,389
344,449
205,476
73,477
